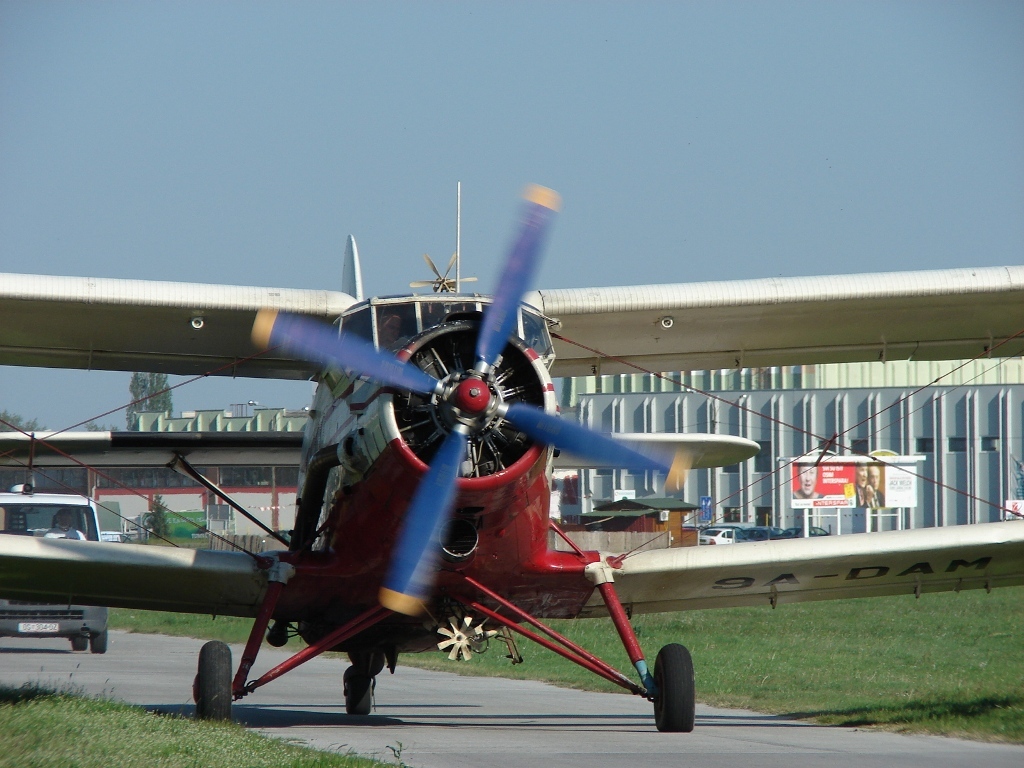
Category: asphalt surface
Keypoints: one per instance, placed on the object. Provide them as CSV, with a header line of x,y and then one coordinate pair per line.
x,y
438,720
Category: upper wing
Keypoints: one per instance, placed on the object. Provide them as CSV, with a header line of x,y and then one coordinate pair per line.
x,y
137,325
823,568
935,315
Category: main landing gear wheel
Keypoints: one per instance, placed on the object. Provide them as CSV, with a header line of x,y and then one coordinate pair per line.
x,y
675,704
212,687
358,692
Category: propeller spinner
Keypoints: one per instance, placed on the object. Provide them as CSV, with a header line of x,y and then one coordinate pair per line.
x,y
468,396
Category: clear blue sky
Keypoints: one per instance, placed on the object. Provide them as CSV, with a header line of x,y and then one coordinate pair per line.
x,y
241,142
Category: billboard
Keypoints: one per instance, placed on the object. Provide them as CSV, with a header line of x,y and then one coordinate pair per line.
x,y
836,483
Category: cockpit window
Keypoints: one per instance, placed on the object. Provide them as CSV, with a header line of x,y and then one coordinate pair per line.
x,y
395,323
359,324
535,333
434,312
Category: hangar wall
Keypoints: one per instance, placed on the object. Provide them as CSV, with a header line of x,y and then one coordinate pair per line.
x,y
970,438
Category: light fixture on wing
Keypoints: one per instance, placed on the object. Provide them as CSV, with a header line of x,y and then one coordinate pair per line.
x,y
467,394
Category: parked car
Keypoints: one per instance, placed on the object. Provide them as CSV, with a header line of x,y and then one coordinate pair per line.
x,y
717,535
51,516
798,532
758,533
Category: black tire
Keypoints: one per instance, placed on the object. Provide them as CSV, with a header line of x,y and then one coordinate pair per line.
x,y
212,687
675,705
358,692
79,643
98,642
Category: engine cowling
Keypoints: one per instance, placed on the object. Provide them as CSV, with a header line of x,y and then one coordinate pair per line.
x,y
447,352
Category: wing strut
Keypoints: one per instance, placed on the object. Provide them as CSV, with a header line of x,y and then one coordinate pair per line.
x,y
180,465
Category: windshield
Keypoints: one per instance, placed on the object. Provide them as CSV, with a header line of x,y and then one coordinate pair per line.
x,y
49,520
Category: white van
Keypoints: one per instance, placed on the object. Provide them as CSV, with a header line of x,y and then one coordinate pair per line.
x,y
53,516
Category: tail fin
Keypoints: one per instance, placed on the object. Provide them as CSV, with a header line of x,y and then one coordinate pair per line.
x,y
352,274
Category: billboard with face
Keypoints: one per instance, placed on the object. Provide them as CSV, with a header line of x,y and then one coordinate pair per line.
x,y
855,484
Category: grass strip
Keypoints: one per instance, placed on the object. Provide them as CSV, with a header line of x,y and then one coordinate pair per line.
x,y
42,727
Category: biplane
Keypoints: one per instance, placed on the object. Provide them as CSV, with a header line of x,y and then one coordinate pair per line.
x,y
422,520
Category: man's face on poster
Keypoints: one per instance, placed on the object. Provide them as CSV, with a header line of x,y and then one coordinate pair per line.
x,y
808,480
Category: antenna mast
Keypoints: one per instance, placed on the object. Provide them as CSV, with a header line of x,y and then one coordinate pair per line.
x,y
458,237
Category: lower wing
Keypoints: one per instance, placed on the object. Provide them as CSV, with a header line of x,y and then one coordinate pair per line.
x,y
130,576
981,556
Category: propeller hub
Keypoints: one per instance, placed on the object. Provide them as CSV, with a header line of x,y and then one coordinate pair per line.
x,y
472,396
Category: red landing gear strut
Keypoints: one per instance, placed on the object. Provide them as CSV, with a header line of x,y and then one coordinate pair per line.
x,y
214,690
670,687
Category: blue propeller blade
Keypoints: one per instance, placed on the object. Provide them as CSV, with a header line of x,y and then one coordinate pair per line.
x,y
320,343
410,576
499,320
579,440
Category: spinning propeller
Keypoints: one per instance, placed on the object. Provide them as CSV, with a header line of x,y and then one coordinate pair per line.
x,y
467,394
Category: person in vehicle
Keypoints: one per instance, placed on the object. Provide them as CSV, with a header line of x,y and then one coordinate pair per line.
x,y
64,527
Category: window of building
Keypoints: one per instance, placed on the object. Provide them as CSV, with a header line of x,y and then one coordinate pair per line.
x,y
245,477
731,514
924,445
763,515
860,445
990,443
763,460
958,444
731,469
146,477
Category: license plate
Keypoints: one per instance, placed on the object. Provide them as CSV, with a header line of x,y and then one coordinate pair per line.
x,y
38,626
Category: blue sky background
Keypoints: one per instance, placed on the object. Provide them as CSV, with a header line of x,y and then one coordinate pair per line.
x,y
242,142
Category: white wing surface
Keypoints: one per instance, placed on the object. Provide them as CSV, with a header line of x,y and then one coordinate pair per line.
x,y
983,556
139,325
931,315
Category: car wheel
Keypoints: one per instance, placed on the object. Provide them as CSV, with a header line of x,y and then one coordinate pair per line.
x,y
98,642
79,643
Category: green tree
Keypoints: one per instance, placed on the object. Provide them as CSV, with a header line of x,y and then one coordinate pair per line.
x,y
149,392
156,519
17,421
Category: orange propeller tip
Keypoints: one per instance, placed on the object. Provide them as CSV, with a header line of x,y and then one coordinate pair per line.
x,y
401,603
543,196
681,464
262,327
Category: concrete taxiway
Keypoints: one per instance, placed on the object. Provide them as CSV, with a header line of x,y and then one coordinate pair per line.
x,y
439,720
